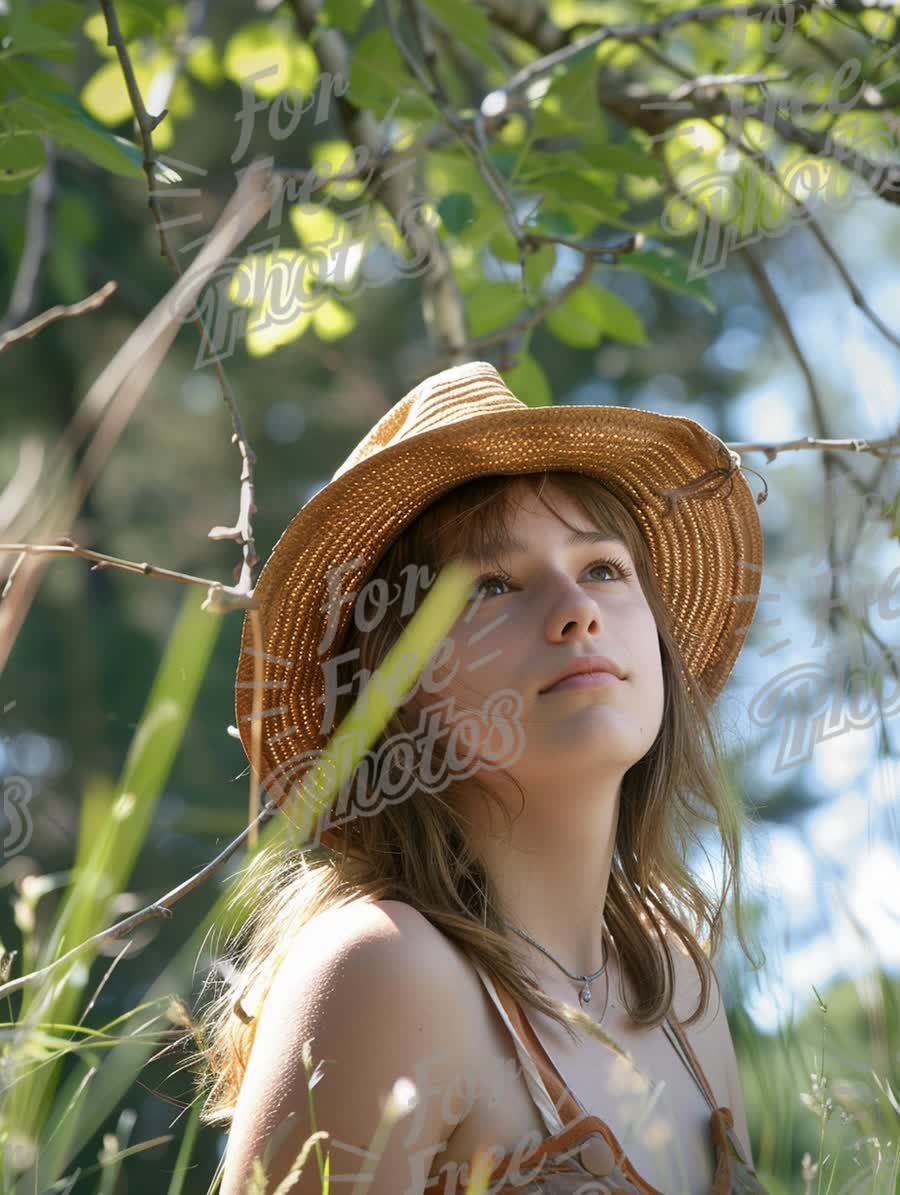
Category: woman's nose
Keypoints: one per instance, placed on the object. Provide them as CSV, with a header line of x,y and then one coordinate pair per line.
x,y
573,607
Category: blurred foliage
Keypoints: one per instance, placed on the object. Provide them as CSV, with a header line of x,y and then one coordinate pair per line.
x,y
322,321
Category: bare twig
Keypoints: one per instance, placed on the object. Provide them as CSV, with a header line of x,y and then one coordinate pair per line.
x,y
117,391
431,81
757,156
67,547
888,447
779,314
41,194
242,531
61,311
159,909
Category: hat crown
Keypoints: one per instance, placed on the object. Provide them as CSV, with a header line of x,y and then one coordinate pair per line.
x,y
445,398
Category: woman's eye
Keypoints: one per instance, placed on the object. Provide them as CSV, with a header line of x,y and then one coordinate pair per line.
x,y
614,565
486,580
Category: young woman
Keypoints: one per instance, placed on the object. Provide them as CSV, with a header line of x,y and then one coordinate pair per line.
x,y
498,907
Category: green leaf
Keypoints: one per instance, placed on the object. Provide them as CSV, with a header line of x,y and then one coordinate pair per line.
x,y
503,245
67,122
580,189
471,26
491,305
538,265
621,159
22,35
669,270
28,78
576,321
573,89
343,14
203,62
22,156
505,159
449,171
332,320
591,311
61,15
456,211
528,382
554,223
616,318
105,95
378,77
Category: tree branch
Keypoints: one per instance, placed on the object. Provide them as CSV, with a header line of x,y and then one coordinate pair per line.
x,y
242,531
542,33
114,395
160,909
888,448
757,156
61,311
67,547
656,114
443,308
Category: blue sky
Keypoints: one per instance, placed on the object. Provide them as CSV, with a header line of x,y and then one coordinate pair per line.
x,y
843,855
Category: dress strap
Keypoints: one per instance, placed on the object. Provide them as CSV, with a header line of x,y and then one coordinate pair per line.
x,y
681,1043
552,1097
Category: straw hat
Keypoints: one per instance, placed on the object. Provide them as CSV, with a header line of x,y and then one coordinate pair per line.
x,y
681,484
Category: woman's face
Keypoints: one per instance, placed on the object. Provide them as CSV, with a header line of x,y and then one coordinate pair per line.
x,y
561,602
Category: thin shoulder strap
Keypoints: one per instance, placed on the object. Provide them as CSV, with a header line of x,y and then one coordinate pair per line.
x,y
681,1043
546,1086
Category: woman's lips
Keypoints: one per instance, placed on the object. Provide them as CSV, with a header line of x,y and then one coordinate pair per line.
x,y
584,680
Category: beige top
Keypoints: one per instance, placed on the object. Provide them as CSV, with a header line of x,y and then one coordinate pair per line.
x,y
573,1160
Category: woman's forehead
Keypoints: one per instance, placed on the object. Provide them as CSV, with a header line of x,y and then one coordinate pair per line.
x,y
491,529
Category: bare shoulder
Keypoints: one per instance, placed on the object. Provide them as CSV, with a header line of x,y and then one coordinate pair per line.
x,y
364,998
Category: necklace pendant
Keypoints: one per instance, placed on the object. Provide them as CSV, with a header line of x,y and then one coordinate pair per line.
x,y
585,995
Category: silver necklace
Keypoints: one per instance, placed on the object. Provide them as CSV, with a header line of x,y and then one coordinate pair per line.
x,y
585,993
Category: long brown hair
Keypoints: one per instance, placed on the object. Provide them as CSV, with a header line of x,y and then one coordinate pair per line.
x,y
417,851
